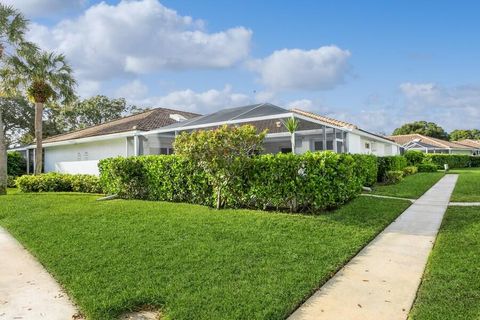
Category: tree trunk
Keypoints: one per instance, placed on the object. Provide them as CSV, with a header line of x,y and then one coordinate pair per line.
x,y
292,138
3,158
38,137
219,197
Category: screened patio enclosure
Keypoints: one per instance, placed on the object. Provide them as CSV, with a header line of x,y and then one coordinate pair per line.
x,y
311,135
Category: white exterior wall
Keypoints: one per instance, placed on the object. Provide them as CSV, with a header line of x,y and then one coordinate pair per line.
x,y
82,157
357,144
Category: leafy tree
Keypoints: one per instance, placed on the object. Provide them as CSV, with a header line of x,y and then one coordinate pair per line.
x,y
95,110
18,115
45,77
457,135
13,26
291,124
429,129
222,153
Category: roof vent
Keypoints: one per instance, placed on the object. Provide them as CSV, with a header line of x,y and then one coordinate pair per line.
x,y
177,117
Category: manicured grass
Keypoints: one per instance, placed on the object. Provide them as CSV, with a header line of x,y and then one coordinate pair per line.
x,y
194,262
411,186
467,188
451,283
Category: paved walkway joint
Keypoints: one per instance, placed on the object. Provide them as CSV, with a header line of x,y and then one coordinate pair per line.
x,y
464,204
385,197
381,282
27,290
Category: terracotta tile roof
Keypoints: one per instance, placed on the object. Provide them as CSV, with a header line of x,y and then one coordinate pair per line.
x,y
469,143
328,120
148,120
437,143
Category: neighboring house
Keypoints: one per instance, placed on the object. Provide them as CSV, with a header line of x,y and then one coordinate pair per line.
x,y
154,131
79,151
474,144
426,144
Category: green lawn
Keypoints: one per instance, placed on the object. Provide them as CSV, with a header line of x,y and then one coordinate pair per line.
x,y
468,185
451,283
194,262
411,186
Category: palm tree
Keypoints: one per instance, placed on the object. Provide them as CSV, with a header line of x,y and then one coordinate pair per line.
x,y
292,125
45,76
13,26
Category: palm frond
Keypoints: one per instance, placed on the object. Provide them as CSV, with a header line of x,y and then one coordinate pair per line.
x,y
291,124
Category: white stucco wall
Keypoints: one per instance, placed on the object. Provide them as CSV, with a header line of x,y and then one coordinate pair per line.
x,y
356,144
82,157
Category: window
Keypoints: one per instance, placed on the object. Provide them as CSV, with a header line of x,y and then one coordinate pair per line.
x,y
367,145
286,150
329,145
85,155
318,145
79,156
166,151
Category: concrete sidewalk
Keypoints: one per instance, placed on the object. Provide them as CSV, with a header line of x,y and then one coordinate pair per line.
x,y
381,282
27,290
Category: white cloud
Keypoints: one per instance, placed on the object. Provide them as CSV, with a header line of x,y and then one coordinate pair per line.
x,y
201,102
132,90
88,88
451,107
42,8
318,69
303,104
136,37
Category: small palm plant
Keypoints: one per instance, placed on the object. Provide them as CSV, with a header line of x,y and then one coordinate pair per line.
x,y
291,124
46,77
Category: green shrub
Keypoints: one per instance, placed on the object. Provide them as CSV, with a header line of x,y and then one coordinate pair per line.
x,y
161,178
427,167
475,161
11,182
453,160
367,167
414,157
57,182
16,164
308,182
394,176
389,163
410,170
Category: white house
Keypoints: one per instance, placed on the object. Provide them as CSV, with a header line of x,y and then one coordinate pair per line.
x,y
426,144
154,131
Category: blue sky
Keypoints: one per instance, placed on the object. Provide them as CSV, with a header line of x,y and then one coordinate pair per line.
x,y
374,63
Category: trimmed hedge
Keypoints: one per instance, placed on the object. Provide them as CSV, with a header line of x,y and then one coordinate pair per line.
x,y
453,160
57,182
16,164
367,167
389,163
427,167
414,157
307,182
160,178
